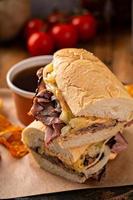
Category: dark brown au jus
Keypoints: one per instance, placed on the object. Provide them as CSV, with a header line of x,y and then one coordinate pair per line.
x,y
27,79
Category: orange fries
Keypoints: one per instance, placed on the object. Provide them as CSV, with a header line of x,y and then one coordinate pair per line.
x,y
129,89
4,123
10,137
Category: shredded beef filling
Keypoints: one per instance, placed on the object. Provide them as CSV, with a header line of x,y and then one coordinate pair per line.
x,y
46,109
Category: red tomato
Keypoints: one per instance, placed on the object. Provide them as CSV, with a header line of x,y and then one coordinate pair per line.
x,y
40,43
34,25
64,35
85,25
55,17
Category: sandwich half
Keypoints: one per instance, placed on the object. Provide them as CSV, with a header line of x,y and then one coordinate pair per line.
x,y
80,110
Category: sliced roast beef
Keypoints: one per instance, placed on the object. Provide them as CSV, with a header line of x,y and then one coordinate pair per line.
x,y
41,85
52,132
117,143
120,145
46,109
111,142
40,73
49,133
129,123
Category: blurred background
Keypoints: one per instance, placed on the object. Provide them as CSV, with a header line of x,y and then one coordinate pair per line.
x,y
40,27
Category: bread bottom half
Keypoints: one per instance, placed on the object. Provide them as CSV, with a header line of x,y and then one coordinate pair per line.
x,y
55,169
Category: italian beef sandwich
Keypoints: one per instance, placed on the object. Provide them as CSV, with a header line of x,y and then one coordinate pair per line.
x,y
80,110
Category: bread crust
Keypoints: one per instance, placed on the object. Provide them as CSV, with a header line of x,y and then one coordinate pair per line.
x,y
56,169
89,87
36,130
33,137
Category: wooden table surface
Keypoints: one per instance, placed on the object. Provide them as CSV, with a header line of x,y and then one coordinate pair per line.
x,y
115,50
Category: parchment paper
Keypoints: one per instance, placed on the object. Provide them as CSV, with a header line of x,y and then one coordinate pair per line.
x,y
23,177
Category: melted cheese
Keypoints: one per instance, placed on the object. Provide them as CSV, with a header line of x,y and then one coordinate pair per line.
x,y
66,129
80,122
78,155
49,78
77,152
66,113
92,151
47,69
112,156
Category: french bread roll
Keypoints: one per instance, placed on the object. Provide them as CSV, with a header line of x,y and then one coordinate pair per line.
x,y
56,169
81,110
89,87
33,137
